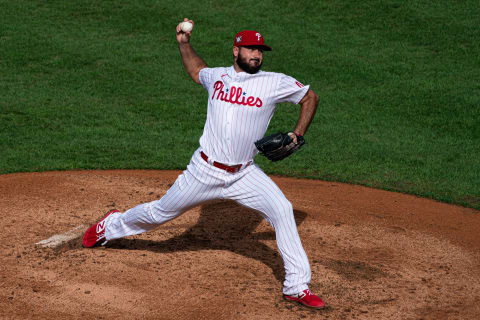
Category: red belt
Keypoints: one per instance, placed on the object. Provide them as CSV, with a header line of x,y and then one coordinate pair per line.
x,y
231,169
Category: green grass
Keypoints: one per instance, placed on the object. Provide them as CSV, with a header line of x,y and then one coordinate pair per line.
x,y
100,84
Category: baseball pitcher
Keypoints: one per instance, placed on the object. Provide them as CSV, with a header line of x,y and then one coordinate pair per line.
x,y
241,101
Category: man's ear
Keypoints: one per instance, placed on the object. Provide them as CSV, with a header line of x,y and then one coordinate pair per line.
x,y
236,50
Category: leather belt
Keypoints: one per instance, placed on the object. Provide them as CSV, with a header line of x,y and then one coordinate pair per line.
x,y
231,169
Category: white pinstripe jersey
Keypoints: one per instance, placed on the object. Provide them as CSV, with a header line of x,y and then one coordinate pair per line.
x,y
240,107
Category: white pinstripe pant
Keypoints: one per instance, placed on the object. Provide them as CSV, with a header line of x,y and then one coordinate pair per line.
x,y
250,187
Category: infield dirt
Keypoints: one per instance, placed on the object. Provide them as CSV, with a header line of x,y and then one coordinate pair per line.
x,y
374,254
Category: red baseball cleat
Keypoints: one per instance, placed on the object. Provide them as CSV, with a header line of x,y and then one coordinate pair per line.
x,y
307,298
95,235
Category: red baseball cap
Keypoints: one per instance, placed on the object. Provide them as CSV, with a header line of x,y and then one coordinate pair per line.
x,y
247,38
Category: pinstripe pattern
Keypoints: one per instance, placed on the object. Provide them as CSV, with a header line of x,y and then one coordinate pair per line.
x,y
197,184
232,128
240,107
257,191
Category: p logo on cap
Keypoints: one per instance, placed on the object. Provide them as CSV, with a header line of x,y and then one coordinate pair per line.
x,y
247,38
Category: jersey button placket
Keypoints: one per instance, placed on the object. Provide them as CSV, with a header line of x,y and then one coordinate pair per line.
x,y
230,125
226,125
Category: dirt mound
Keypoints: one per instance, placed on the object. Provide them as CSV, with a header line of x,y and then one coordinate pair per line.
x,y
374,254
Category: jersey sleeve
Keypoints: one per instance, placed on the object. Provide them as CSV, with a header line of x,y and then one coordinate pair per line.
x,y
206,77
290,90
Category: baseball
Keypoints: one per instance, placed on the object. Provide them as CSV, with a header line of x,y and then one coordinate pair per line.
x,y
186,26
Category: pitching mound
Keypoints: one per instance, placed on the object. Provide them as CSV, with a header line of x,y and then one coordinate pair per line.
x,y
374,254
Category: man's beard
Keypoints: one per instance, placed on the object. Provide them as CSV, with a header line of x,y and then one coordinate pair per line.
x,y
245,66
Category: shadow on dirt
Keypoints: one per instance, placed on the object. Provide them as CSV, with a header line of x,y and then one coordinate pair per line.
x,y
222,225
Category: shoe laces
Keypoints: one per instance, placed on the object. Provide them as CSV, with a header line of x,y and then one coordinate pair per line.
x,y
304,293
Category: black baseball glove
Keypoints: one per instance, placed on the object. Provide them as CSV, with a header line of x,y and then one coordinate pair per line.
x,y
278,146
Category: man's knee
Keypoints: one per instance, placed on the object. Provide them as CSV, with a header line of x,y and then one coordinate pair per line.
x,y
285,207
283,210
159,213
